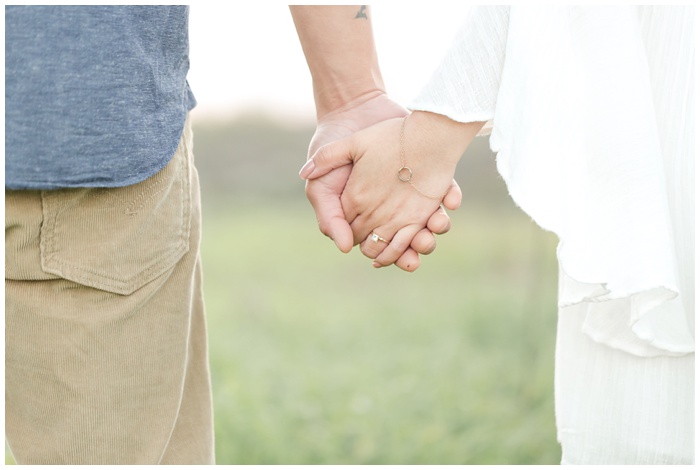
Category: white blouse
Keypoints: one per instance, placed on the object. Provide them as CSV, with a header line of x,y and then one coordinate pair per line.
x,y
593,121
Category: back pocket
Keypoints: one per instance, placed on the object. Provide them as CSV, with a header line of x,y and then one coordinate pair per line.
x,y
119,239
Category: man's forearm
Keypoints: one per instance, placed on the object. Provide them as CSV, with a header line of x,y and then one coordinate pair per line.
x,y
339,48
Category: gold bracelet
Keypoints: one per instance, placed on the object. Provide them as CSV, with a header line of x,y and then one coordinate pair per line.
x,y
405,174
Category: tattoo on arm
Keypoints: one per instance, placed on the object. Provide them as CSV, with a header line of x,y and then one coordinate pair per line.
x,y
361,13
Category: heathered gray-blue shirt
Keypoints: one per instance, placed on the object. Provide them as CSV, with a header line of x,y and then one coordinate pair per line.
x,y
95,96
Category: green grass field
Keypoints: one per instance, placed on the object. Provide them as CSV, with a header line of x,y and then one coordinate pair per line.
x,y
317,358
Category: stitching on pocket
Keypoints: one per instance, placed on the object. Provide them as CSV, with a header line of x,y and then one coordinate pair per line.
x,y
142,199
81,271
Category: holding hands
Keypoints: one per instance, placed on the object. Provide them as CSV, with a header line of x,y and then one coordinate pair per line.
x,y
360,144
402,170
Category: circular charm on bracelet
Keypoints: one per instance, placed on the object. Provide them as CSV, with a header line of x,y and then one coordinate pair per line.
x,y
376,238
405,174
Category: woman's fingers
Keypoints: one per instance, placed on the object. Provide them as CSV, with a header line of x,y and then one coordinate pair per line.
x,y
396,247
376,245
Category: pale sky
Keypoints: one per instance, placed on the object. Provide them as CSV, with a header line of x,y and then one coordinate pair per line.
x,y
248,55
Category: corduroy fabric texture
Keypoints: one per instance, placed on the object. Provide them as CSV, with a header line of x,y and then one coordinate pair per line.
x,y
106,348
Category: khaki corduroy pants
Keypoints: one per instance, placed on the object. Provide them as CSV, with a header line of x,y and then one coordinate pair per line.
x,y
106,353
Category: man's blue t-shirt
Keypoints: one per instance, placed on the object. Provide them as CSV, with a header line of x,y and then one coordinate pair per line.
x,y
95,96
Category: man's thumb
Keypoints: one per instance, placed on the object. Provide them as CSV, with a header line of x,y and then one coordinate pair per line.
x,y
327,158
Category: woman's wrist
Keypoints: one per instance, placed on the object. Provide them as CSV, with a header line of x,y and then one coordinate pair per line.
x,y
438,135
430,146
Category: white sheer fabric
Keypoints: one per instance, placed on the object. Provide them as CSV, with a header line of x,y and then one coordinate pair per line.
x,y
593,121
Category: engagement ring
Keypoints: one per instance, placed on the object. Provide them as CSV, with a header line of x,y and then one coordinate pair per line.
x,y
376,238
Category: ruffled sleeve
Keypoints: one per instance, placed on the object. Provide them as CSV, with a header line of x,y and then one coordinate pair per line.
x,y
465,86
575,132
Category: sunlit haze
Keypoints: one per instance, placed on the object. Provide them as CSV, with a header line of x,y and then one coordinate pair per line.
x,y
247,56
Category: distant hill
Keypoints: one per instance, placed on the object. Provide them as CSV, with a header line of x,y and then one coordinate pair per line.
x,y
255,157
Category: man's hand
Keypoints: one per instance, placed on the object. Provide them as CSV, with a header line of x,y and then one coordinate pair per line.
x,y
324,192
349,95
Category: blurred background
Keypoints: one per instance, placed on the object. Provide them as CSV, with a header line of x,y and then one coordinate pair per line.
x,y
316,357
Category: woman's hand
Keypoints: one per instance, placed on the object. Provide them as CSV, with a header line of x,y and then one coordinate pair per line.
x,y
324,192
380,200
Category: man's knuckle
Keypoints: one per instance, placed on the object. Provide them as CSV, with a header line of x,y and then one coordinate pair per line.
x,y
323,154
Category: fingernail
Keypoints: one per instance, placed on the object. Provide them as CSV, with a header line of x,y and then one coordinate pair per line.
x,y
307,169
376,265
